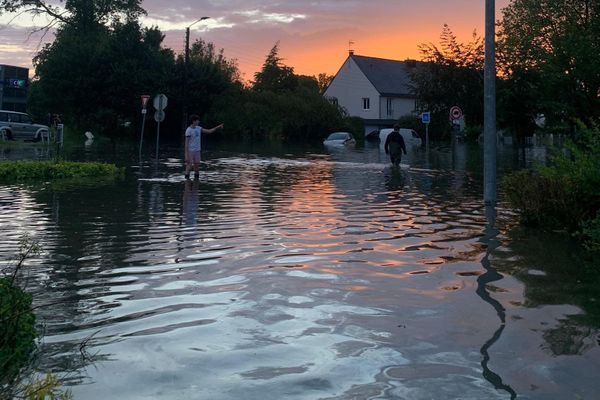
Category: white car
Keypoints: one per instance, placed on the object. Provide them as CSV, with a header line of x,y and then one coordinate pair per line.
x,y
339,139
411,138
18,125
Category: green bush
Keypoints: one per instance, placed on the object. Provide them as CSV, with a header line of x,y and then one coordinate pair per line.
x,y
543,201
17,329
566,193
24,170
591,230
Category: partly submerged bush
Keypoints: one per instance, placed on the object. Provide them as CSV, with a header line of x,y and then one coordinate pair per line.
x,y
17,320
17,329
566,193
25,170
18,334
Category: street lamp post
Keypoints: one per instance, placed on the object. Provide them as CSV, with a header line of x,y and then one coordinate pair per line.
x,y
185,70
489,105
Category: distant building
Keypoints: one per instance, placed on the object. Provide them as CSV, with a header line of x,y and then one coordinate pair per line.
x,y
375,89
14,82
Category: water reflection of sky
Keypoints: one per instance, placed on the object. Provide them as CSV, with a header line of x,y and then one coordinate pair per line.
x,y
297,277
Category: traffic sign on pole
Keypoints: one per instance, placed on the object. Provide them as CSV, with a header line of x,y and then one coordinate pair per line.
x,y
426,117
455,113
159,116
145,99
160,102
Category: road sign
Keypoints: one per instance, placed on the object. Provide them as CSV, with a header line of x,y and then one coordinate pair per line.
x,y
455,113
426,117
160,102
159,116
145,99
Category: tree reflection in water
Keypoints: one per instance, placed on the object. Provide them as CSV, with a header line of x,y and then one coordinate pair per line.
x,y
564,274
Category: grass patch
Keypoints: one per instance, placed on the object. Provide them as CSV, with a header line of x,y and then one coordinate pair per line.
x,y
29,170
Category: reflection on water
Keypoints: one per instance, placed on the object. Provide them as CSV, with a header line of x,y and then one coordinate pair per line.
x,y
303,276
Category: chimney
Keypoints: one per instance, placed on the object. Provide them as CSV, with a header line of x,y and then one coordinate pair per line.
x,y
351,52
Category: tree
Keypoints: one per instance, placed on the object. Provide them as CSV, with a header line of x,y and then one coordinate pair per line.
x,y
557,43
451,74
324,81
94,78
82,14
274,76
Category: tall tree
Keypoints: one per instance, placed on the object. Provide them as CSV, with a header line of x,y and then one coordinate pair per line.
x,y
451,74
558,42
274,75
83,14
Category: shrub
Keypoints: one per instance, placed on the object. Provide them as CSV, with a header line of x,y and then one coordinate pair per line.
x,y
24,170
17,329
566,193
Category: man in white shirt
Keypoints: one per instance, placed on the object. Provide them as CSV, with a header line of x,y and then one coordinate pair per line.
x,y
193,135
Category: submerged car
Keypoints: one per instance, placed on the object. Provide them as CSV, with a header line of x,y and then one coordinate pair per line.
x,y
17,125
411,138
339,139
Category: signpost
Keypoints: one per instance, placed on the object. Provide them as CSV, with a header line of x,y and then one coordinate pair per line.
x,y
426,119
145,99
455,113
160,103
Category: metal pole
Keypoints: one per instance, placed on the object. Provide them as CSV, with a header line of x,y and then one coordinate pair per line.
x,y
142,133
185,77
160,108
489,106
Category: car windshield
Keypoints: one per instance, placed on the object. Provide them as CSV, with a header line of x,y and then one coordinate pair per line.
x,y
338,136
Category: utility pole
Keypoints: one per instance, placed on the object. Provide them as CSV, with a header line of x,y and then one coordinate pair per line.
x,y
489,106
185,72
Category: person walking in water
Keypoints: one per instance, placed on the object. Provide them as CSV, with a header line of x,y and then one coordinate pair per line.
x,y
193,135
394,146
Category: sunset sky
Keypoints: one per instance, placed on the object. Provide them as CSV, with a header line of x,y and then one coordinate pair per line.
x,y
314,35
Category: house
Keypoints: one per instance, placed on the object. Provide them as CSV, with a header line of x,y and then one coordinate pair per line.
x,y
13,88
375,89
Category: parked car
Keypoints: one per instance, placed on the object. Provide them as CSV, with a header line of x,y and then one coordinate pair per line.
x,y
19,126
411,138
339,139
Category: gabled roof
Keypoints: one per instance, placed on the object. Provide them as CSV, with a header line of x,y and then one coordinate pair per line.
x,y
390,77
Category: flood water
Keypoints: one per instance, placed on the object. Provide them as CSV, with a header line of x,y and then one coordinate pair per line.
x,y
303,273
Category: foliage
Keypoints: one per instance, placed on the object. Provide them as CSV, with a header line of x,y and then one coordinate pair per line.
x,y
26,169
47,388
553,48
82,14
451,74
412,122
17,329
591,230
280,106
17,335
17,320
324,81
94,78
275,76
565,194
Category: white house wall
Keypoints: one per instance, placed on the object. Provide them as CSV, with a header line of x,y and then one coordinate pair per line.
x,y
400,107
349,87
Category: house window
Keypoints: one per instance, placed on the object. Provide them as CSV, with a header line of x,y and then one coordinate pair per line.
x,y
366,103
390,110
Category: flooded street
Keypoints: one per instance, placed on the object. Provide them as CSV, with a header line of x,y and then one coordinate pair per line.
x,y
304,274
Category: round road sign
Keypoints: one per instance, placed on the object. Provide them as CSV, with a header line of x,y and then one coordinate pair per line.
x,y
159,115
455,113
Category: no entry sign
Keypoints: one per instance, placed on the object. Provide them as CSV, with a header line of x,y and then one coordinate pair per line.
x,y
455,113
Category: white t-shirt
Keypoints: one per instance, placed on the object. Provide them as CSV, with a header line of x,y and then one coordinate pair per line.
x,y
194,135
